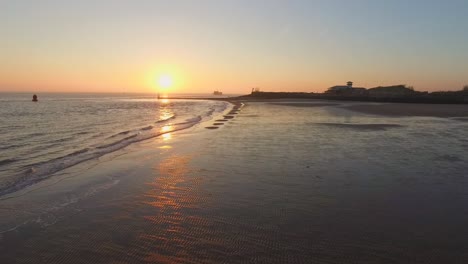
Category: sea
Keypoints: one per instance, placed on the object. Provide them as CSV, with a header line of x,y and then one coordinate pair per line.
x,y
38,139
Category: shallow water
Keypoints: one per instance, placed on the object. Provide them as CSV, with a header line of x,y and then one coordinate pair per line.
x,y
62,130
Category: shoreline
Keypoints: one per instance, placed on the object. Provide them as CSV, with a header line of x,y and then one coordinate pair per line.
x,y
394,109
458,97
39,172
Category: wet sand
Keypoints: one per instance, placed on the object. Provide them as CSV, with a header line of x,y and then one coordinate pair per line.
x,y
395,109
362,127
306,104
387,109
274,186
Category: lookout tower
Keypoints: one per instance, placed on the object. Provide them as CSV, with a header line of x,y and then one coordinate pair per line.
x,y
349,84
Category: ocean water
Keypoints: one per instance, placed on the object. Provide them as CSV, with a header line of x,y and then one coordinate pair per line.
x,y
38,139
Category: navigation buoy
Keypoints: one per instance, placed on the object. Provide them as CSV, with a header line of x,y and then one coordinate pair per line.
x,y
34,98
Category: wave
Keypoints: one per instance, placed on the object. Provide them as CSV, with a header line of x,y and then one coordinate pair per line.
x,y
99,143
82,133
12,146
33,167
117,142
40,171
165,119
120,134
6,161
60,140
190,120
29,136
160,121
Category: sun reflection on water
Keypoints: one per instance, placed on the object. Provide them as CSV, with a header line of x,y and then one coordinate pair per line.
x,y
172,173
167,136
165,114
165,147
172,197
166,128
165,109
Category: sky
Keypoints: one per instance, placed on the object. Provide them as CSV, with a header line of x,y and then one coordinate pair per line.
x,y
231,46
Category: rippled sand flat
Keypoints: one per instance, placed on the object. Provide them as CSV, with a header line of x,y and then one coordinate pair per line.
x,y
274,186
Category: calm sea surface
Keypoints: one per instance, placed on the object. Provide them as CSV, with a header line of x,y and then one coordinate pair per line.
x,y
38,139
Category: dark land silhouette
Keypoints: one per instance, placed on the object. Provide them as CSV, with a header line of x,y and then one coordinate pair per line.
x,y
395,94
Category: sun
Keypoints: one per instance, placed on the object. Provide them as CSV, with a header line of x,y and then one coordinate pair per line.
x,y
165,81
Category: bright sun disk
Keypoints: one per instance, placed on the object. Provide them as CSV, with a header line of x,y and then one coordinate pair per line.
x,y
165,81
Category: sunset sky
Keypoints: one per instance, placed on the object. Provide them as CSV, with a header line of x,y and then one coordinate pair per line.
x,y
232,46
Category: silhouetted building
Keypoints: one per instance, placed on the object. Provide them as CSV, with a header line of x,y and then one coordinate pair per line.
x,y
347,89
359,91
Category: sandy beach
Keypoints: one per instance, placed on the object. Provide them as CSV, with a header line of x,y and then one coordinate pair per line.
x,y
274,184
396,109
385,109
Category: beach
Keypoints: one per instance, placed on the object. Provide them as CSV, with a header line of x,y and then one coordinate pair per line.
x,y
376,108
270,182
399,109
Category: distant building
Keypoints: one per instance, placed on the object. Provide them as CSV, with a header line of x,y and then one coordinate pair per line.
x,y
347,89
359,91
338,88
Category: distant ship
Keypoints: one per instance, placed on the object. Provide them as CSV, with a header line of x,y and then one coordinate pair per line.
x,y
217,93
